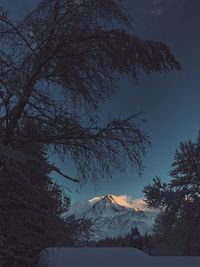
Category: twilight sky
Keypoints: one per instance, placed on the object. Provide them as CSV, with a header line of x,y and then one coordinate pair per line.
x,y
170,100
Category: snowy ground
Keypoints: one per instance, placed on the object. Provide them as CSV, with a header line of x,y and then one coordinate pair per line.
x,y
114,257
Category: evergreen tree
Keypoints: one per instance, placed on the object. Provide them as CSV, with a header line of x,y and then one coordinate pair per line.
x,y
177,228
136,239
31,207
147,241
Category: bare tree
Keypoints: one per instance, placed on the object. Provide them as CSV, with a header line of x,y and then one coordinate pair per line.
x,y
57,64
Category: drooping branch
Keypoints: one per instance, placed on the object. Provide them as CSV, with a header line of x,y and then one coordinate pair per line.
x,y
57,170
60,61
93,144
13,161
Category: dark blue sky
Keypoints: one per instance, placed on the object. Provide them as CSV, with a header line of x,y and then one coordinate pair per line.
x,y
170,100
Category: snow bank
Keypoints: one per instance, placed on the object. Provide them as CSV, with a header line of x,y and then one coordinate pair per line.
x,y
113,257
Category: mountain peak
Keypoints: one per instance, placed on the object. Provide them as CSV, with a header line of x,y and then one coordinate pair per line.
x,y
113,216
110,197
119,200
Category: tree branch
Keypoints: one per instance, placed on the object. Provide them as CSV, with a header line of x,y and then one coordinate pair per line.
x,y
57,170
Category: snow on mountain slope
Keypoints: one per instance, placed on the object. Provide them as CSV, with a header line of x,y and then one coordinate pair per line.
x,y
113,216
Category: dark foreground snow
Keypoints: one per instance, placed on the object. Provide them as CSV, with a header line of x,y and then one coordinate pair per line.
x,y
114,257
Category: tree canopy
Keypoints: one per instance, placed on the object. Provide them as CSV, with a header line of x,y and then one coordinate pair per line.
x,y
57,64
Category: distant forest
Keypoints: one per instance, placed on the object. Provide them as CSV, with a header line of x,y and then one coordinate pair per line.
x,y
133,239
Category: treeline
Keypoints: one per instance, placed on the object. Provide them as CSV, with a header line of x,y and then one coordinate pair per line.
x,y
132,239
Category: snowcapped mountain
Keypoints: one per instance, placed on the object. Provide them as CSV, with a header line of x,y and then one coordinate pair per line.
x,y
113,216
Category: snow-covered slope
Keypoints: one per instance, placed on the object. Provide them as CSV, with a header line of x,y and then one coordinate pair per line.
x,y
113,216
113,257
